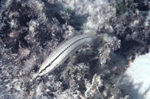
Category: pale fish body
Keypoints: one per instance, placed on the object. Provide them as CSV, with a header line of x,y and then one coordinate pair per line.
x,y
62,52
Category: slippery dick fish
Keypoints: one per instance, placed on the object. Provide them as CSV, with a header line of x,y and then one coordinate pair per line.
x,y
62,52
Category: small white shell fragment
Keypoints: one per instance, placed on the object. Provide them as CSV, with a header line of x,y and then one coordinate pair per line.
x,y
136,80
39,89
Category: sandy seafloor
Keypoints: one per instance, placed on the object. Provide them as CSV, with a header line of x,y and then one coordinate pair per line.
x,y
115,66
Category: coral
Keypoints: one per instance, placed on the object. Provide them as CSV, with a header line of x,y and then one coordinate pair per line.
x,y
31,29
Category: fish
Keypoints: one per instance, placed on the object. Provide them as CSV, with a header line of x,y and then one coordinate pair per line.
x,y
62,52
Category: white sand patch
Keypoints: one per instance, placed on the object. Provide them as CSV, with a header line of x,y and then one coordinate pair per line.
x,y
136,82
